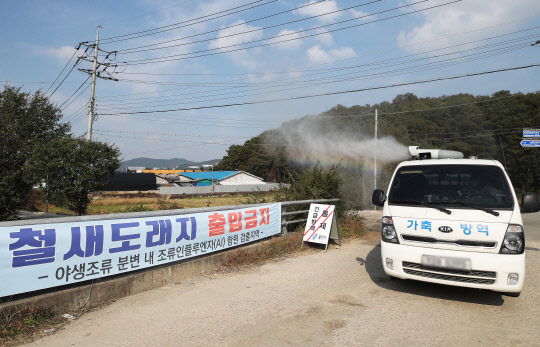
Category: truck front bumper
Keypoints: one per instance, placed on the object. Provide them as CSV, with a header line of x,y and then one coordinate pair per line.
x,y
489,270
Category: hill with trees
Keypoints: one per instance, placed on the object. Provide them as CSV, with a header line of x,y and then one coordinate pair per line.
x,y
489,127
179,163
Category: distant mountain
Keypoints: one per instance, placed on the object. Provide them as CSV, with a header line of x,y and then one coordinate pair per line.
x,y
180,163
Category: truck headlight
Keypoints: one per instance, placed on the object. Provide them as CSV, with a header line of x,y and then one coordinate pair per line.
x,y
514,240
388,232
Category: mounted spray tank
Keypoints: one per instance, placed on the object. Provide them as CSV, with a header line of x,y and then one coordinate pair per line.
x,y
420,154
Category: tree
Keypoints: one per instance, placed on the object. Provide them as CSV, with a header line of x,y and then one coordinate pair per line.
x,y
27,122
73,169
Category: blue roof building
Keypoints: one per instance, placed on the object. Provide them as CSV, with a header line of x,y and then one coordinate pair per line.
x,y
221,178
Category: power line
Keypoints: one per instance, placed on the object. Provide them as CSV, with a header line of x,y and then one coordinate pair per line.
x,y
155,139
218,119
338,92
34,82
192,55
138,49
75,92
449,106
417,110
392,61
76,113
221,124
366,64
78,96
330,62
177,25
400,71
235,25
333,61
366,115
64,68
66,76
383,63
174,135
142,15
249,137
320,81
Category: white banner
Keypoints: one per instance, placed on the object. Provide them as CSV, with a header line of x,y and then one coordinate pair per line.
x,y
41,256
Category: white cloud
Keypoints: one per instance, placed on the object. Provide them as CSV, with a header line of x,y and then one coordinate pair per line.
x,y
286,35
243,58
317,55
464,16
318,9
224,39
324,37
63,53
363,16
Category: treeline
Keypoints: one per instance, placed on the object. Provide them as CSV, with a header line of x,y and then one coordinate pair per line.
x,y
489,127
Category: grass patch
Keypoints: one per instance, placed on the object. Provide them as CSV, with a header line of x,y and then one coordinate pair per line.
x,y
25,322
137,208
110,203
352,226
276,247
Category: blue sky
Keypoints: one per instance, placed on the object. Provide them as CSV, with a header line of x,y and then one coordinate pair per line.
x,y
303,51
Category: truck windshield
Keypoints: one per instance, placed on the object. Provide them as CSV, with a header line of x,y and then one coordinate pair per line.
x,y
481,186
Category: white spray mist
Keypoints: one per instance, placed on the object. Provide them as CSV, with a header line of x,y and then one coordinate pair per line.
x,y
311,141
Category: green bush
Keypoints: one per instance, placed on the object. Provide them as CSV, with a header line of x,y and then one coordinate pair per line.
x,y
314,183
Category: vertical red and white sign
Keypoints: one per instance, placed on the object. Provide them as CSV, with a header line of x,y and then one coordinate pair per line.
x,y
319,223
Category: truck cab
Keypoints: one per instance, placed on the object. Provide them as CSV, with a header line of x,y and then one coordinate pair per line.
x,y
454,221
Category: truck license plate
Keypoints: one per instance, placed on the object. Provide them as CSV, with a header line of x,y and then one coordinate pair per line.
x,y
446,262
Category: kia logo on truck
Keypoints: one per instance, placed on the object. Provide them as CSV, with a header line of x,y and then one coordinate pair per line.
x,y
445,229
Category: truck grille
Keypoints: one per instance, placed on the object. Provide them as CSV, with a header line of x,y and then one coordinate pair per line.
x,y
464,276
467,243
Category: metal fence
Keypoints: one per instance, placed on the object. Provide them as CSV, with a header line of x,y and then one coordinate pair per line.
x,y
285,214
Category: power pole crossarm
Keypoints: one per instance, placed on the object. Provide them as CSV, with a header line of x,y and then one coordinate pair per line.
x,y
92,95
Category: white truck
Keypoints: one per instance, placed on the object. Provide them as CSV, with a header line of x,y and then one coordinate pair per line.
x,y
454,221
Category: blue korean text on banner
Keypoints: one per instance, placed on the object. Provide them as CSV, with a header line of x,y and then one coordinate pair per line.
x,y
39,256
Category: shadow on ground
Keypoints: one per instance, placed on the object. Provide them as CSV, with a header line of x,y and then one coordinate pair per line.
x,y
374,268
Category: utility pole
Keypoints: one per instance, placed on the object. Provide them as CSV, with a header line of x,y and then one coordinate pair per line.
x,y
92,95
375,153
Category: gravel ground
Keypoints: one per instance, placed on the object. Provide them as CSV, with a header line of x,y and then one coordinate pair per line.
x,y
341,297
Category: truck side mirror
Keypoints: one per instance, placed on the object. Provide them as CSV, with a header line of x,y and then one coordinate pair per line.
x,y
378,198
530,203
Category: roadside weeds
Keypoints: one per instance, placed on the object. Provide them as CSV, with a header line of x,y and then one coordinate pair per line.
x,y
351,227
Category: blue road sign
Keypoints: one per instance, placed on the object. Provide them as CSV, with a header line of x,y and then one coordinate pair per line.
x,y
530,143
531,133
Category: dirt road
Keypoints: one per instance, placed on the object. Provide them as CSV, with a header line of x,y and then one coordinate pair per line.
x,y
337,298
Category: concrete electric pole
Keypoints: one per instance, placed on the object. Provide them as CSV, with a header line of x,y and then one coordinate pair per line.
x,y
92,95
375,153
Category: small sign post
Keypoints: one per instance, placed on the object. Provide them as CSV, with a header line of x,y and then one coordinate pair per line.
x,y
321,225
530,143
531,133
